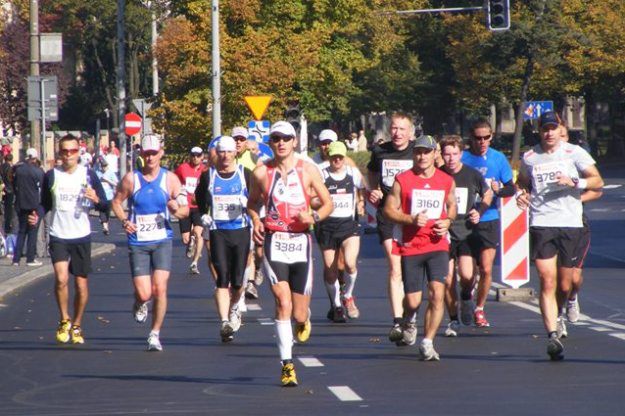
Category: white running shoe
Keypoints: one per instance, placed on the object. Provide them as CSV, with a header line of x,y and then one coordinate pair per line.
x,y
235,318
154,343
140,311
453,327
241,305
409,333
193,269
428,353
561,327
572,310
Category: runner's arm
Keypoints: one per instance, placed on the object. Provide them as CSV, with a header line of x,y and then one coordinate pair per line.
x,y
178,204
316,184
124,190
392,207
254,200
591,195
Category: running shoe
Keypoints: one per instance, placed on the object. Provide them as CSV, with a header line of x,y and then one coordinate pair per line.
x,y
105,228
409,333
561,327
226,332
259,276
193,269
350,308
339,315
396,335
250,291
191,247
140,311
330,314
34,263
154,343
288,378
479,317
572,310
555,349
302,331
428,353
235,318
466,312
62,332
76,334
453,327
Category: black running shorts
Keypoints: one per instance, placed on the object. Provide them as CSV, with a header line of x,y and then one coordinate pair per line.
x,y
229,252
78,255
547,242
415,269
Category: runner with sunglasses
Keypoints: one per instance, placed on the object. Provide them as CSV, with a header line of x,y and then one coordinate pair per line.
x,y
284,186
484,239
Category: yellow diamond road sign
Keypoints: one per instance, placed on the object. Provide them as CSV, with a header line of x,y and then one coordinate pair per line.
x,y
258,105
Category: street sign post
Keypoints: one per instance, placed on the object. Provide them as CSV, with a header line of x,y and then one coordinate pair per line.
x,y
258,105
133,123
46,87
533,109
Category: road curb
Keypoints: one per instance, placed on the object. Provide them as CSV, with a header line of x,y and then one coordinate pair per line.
x,y
31,276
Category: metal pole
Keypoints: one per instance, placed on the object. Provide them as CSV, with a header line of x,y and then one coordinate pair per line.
x,y
34,64
154,60
443,10
43,123
216,71
121,85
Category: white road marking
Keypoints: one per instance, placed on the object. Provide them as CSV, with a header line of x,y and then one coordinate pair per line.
x,y
611,186
618,335
254,307
600,209
607,256
345,394
310,362
266,321
600,328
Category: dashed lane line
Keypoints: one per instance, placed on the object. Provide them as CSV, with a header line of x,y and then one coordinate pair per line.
x,y
310,362
266,321
253,307
345,394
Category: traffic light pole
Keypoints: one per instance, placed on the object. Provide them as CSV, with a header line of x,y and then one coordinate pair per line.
x,y
216,71
443,10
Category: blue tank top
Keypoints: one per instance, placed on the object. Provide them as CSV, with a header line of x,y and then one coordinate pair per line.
x,y
228,200
148,210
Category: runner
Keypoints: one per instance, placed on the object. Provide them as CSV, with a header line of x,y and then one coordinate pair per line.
x,y
556,173
484,239
191,226
153,194
422,202
469,184
387,160
222,194
70,191
341,231
284,186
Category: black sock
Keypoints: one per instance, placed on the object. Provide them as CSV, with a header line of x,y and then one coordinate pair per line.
x,y
397,320
465,295
453,317
552,334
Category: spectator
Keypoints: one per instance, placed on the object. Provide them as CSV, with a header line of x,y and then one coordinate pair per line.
x,y
112,159
352,142
8,197
362,141
27,180
109,184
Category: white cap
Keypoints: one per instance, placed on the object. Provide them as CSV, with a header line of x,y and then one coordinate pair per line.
x,y
196,150
150,142
239,132
32,153
328,134
226,144
282,128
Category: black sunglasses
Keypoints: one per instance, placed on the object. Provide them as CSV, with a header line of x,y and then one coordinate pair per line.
x,y
278,139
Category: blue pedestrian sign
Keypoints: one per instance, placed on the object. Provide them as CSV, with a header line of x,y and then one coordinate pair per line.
x,y
258,130
533,109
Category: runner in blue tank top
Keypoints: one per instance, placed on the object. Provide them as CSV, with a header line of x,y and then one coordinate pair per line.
x,y
484,240
154,194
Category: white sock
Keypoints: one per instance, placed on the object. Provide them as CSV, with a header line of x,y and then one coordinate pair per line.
x,y
334,291
427,341
247,275
350,282
153,332
284,336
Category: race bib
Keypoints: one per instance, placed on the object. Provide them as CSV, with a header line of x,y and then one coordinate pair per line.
x,y
390,169
428,200
227,207
190,184
546,175
289,248
151,227
343,205
67,198
462,196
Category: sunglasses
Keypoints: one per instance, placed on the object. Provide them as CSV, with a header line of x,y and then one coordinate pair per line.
x,y
278,139
150,153
68,151
196,154
483,138
325,142
240,139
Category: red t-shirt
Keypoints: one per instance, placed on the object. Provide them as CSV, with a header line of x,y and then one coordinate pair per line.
x,y
189,177
420,194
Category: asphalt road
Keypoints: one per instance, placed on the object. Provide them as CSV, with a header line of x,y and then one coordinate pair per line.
x,y
344,369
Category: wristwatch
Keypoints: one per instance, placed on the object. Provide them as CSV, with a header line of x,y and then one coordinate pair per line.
x,y
575,182
316,217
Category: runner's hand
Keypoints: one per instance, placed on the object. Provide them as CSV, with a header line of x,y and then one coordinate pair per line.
x,y
305,218
259,232
523,200
33,217
441,226
474,216
129,227
91,195
420,219
173,206
375,196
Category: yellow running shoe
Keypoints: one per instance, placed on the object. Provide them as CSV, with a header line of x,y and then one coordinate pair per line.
x,y
288,375
302,331
77,337
62,332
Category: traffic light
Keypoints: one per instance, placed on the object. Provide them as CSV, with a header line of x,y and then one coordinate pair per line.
x,y
498,14
293,114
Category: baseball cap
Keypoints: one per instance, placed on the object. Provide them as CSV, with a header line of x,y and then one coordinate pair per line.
x,y
32,153
328,134
239,132
282,128
226,144
549,118
196,150
337,149
150,142
426,142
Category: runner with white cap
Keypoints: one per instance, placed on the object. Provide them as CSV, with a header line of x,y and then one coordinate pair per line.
x,y
154,194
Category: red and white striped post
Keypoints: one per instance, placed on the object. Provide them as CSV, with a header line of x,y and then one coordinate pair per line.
x,y
515,242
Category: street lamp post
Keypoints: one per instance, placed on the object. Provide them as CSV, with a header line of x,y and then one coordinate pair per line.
x,y
216,71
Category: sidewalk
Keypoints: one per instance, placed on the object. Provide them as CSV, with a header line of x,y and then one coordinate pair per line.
x,y
15,277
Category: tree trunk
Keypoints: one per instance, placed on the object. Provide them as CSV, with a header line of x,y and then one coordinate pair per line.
x,y
518,129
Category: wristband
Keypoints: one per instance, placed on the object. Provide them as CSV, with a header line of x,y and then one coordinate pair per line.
x,y
581,183
316,217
